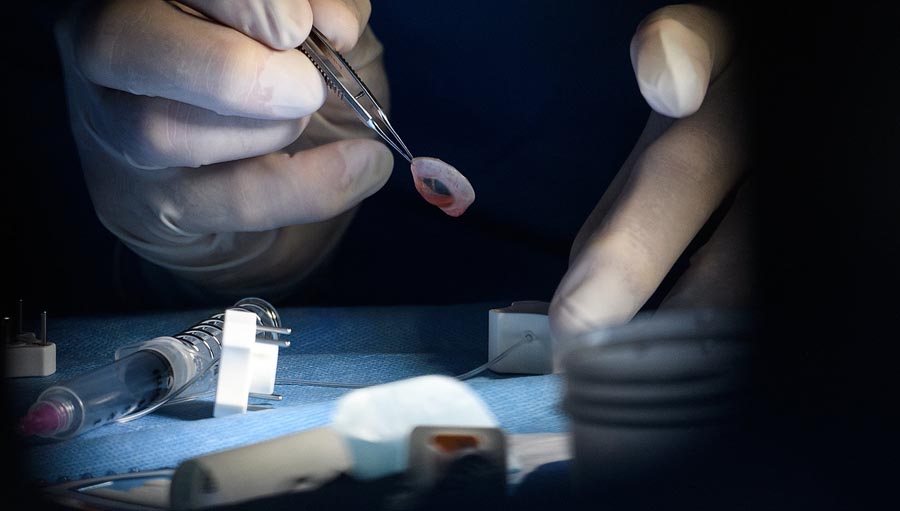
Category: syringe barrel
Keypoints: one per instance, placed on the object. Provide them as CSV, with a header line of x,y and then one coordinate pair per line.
x,y
107,393
142,374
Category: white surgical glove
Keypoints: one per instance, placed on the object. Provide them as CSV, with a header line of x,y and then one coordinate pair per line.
x,y
690,157
209,145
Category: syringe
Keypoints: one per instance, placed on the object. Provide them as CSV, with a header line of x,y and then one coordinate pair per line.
x,y
142,376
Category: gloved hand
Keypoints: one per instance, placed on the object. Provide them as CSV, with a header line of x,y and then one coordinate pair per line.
x,y
690,157
209,145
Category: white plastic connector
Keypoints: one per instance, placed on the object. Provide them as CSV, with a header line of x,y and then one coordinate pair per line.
x,y
246,366
26,353
29,356
522,320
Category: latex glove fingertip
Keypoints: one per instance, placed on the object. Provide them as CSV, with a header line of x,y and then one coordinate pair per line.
x,y
672,66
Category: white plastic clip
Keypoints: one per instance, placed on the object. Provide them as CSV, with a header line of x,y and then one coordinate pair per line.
x,y
528,321
247,364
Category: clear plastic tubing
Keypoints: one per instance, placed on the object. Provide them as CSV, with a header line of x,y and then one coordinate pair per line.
x,y
142,375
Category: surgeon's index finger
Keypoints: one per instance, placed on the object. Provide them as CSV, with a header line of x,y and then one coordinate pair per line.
x,y
673,189
278,189
342,21
676,52
154,48
281,24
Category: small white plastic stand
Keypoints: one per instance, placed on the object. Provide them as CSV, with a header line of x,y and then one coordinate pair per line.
x,y
27,354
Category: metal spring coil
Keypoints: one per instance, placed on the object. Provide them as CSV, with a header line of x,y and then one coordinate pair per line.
x,y
208,333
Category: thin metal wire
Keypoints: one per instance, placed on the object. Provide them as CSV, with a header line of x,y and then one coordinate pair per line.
x,y
465,376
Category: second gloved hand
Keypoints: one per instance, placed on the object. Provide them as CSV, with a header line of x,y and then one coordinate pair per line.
x,y
690,162
209,145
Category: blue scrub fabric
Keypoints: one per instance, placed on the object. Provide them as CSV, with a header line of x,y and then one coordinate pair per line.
x,y
363,345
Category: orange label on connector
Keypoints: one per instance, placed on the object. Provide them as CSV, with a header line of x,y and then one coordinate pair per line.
x,y
453,443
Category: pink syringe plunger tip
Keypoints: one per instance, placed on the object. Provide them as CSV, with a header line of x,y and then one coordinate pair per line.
x,y
42,419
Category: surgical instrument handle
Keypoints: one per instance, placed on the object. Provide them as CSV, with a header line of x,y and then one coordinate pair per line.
x,y
343,80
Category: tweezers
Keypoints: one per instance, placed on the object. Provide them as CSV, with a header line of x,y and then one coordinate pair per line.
x,y
343,80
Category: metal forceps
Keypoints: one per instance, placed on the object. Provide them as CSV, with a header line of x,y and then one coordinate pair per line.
x,y
344,81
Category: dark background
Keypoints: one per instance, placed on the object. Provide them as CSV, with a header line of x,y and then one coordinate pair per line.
x,y
536,103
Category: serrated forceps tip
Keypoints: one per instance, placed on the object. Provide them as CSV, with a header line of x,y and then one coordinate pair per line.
x,y
343,80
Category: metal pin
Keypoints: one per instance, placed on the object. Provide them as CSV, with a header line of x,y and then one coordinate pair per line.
x,y
281,343
7,329
273,329
44,328
254,408
269,397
